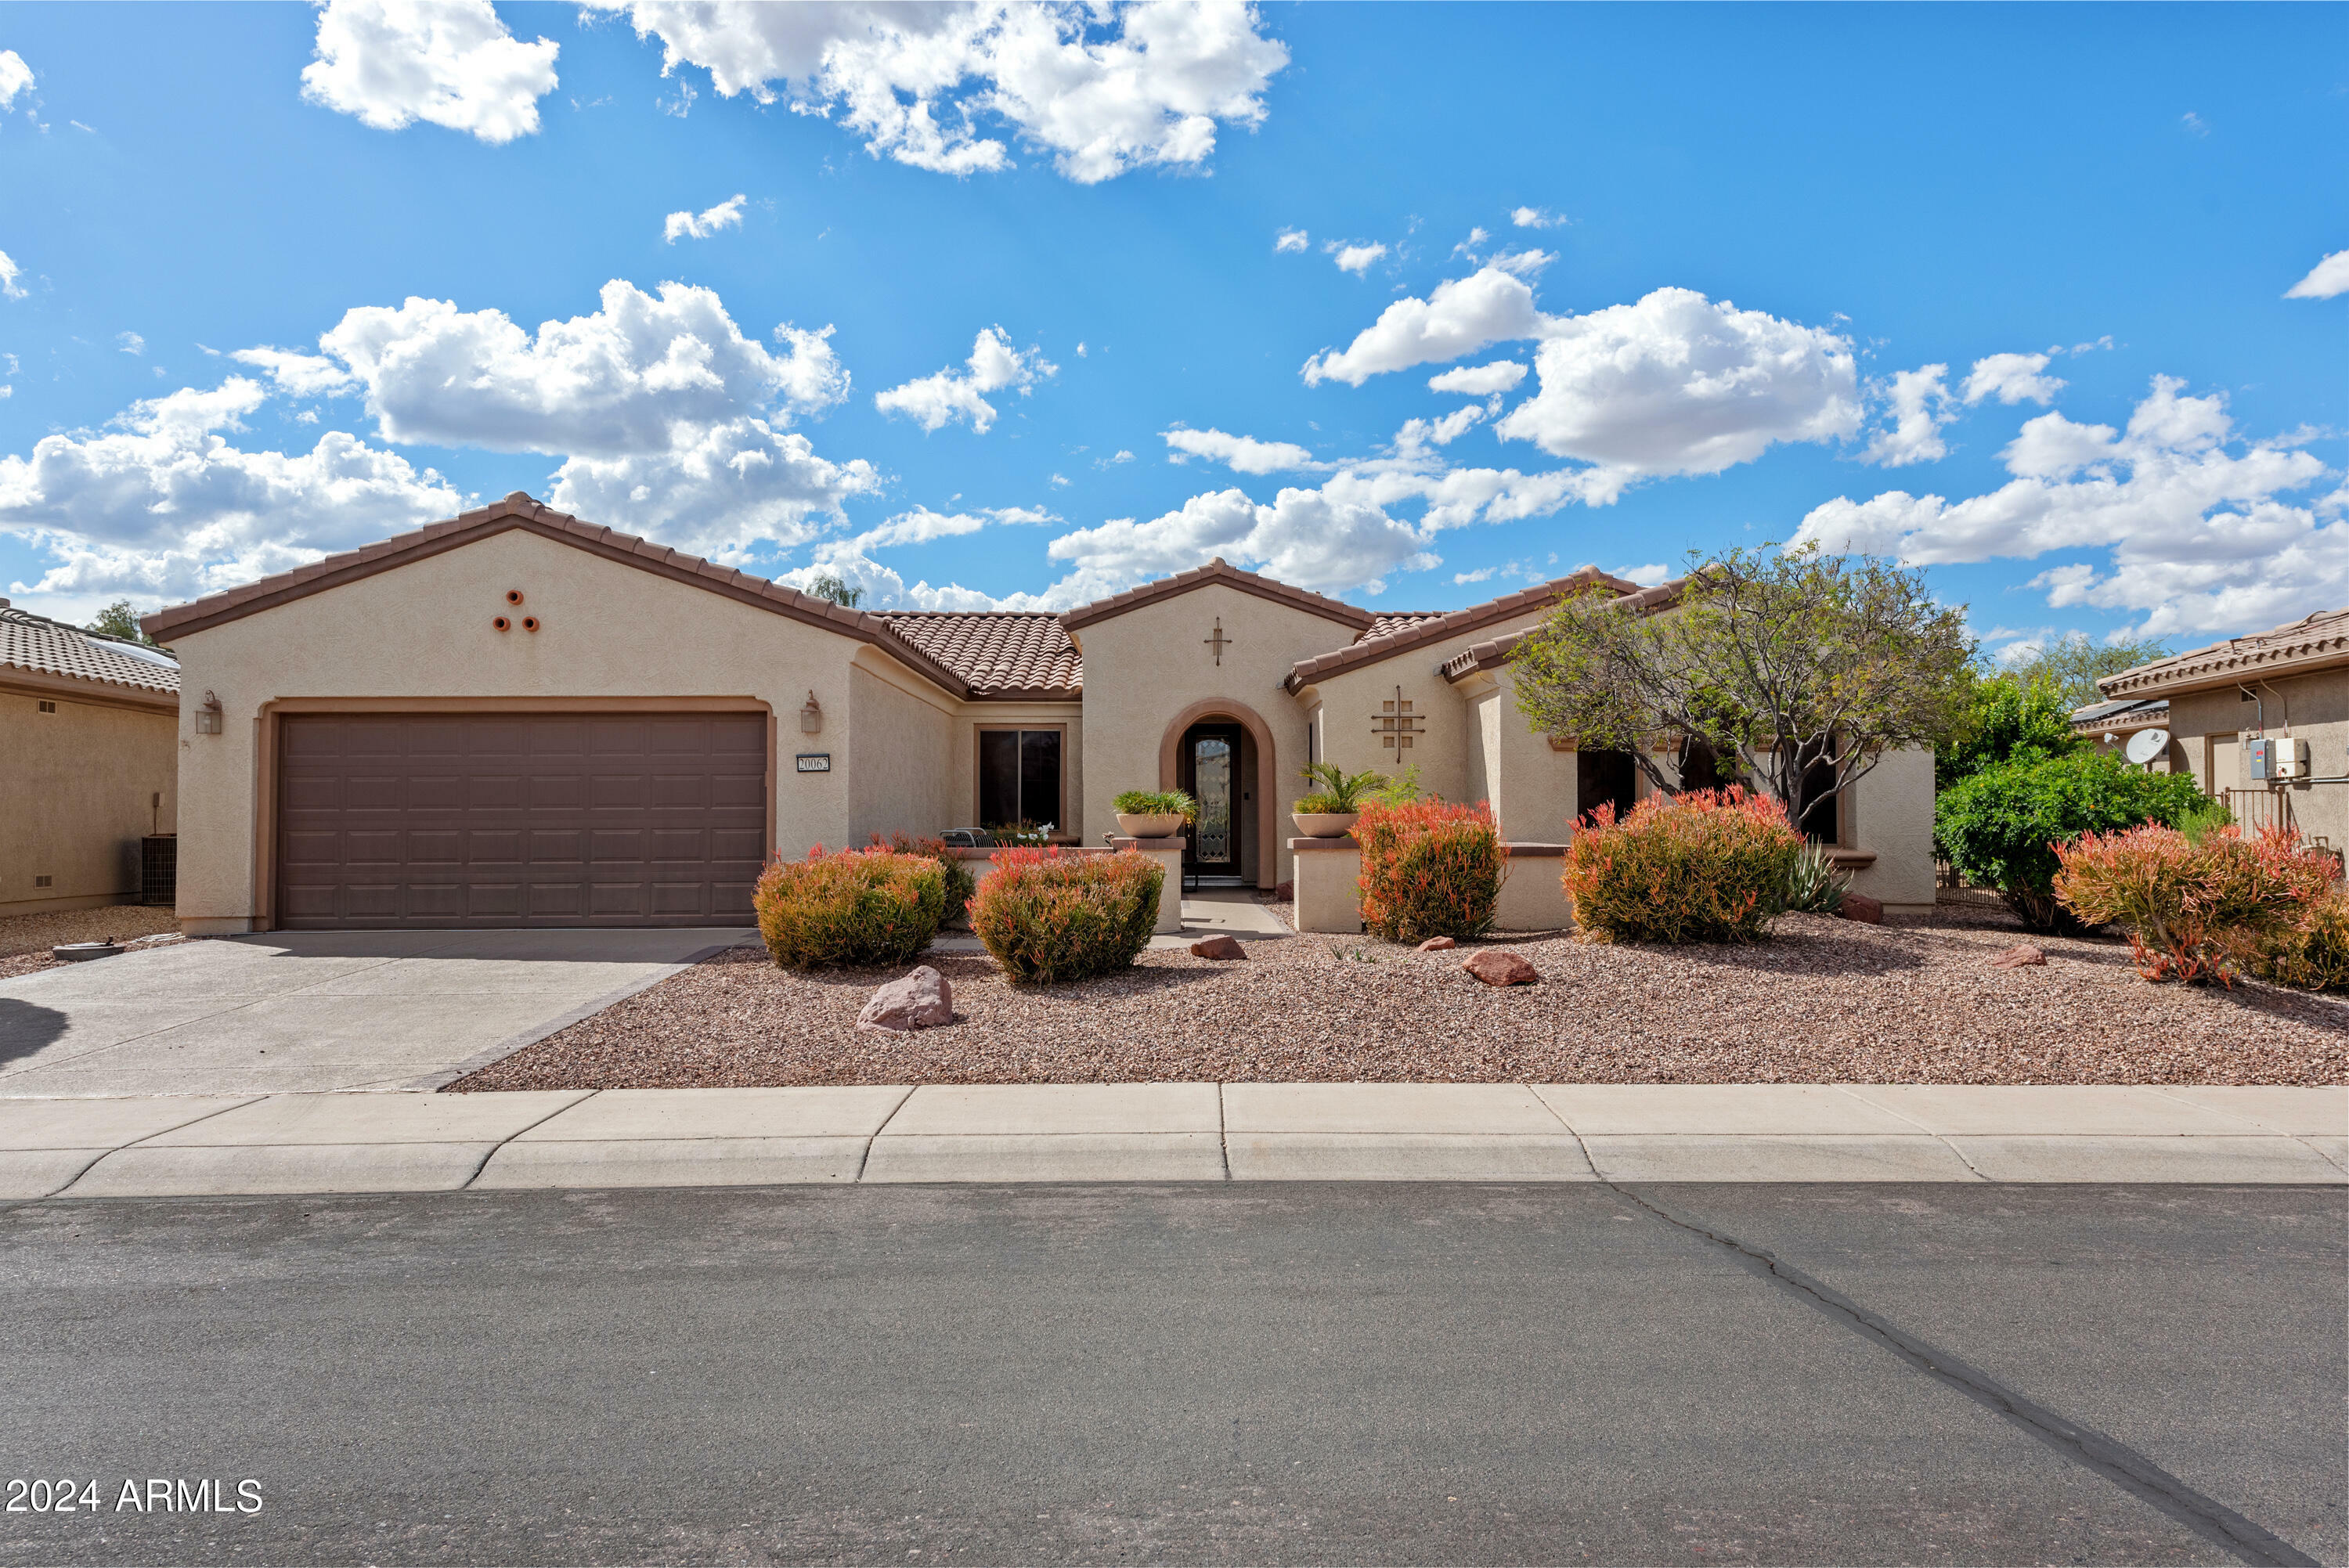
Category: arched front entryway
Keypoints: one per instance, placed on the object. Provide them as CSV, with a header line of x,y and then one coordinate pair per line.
x,y
1192,739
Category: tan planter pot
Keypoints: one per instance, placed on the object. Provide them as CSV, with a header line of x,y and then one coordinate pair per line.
x,y
1149,824
1325,824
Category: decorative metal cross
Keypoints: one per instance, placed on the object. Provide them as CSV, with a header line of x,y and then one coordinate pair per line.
x,y
1218,642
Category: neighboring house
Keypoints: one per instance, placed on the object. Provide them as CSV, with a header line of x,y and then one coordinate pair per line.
x,y
89,754
2288,684
517,718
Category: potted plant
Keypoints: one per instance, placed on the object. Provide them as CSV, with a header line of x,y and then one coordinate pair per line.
x,y
1329,812
1154,814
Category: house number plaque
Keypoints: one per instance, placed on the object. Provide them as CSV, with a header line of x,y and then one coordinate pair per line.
x,y
814,761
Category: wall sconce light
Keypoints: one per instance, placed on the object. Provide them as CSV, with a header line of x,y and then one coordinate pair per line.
x,y
208,716
812,716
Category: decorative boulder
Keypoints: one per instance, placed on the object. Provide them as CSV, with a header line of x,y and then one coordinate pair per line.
x,y
2018,956
1861,907
1438,945
1218,947
922,1000
1496,967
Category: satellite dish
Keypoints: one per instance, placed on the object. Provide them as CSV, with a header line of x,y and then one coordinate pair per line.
x,y
2147,744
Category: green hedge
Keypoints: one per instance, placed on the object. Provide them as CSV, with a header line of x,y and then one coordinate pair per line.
x,y
2000,827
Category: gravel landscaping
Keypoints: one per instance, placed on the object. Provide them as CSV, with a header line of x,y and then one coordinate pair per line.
x,y
1826,1001
26,939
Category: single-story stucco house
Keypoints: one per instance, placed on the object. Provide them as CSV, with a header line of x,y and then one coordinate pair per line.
x,y
518,718
88,769
2288,685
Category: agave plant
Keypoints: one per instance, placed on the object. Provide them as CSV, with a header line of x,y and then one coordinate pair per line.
x,y
1814,885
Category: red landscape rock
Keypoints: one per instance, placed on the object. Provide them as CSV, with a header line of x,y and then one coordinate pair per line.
x,y
1495,966
1861,907
1218,947
2019,955
1438,945
922,1000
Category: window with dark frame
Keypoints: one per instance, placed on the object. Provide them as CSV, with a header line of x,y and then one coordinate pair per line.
x,y
1019,776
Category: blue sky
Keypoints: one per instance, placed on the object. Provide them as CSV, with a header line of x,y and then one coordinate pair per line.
x,y
1692,271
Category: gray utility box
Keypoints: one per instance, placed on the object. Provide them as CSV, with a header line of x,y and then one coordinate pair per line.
x,y
2268,760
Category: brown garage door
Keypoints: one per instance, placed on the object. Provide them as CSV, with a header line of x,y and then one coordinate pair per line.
x,y
492,819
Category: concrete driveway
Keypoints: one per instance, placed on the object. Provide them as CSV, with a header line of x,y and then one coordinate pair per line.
x,y
296,1011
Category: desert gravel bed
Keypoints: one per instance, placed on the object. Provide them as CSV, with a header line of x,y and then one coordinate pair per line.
x,y
26,939
1826,1001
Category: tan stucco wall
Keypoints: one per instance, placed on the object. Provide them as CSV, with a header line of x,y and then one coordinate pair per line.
x,y
899,732
1146,667
422,631
1891,812
77,794
2207,730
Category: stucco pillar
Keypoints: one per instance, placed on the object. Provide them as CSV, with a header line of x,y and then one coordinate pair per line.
x,y
1168,852
1329,884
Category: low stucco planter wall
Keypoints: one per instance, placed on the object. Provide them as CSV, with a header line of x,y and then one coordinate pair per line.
x,y
1329,894
1532,896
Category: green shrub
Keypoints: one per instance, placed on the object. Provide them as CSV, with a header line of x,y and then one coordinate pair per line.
x,y
1704,866
2313,951
1048,917
2006,720
1157,803
859,908
1814,884
1337,792
960,882
2001,827
2193,906
1429,870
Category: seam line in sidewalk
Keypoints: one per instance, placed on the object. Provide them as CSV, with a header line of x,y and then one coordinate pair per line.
x,y
865,1158
1942,1137
2085,1446
1224,1130
518,1132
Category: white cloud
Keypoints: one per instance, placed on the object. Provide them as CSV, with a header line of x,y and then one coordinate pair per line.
x,y
1310,538
296,374
1920,407
1110,462
1292,240
1482,574
1479,380
726,214
936,400
1476,240
2194,123
8,391
448,62
1354,259
1534,218
2014,378
1242,454
1058,482
1646,576
1524,263
2198,539
16,77
9,272
2327,279
885,589
129,343
162,506
1679,384
1101,90
1463,315
618,381
922,525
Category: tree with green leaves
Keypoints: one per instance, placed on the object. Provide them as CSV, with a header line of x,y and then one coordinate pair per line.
x,y
120,619
2072,664
837,590
1807,668
2006,717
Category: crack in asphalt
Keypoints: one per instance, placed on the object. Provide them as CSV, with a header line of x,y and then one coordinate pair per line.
x,y
2085,1446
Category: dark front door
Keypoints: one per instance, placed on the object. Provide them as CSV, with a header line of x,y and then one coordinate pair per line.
x,y
1605,778
1209,768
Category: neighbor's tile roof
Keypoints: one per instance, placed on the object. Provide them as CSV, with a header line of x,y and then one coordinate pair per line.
x,y
36,642
1002,653
1219,570
1383,622
2315,642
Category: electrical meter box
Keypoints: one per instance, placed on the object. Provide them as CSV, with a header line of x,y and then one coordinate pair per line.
x,y
2260,760
2291,759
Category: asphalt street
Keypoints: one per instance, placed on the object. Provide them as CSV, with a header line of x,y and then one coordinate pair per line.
x,y
1287,1373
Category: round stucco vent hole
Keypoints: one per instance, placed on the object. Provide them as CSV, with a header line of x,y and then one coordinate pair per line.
x,y
530,623
514,595
501,623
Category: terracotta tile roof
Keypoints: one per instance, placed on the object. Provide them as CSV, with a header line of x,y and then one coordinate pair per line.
x,y
1487,655
1214,572
1418,632
2315,642
1001,653
1389,621
43,647
519,510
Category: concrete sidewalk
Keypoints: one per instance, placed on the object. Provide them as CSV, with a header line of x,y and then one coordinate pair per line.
x,y
169,1146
